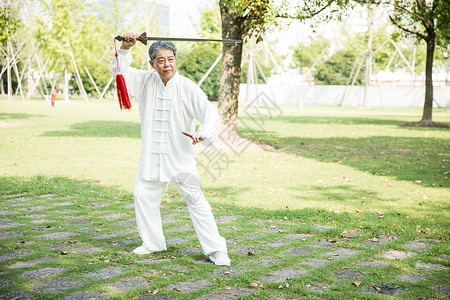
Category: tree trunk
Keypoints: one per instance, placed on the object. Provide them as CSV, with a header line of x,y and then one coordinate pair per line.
x,y
428,107
233,27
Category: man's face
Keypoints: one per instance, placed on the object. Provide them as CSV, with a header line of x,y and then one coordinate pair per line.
x,y
165,64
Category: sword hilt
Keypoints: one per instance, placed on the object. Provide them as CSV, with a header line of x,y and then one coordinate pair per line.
x,y
142,38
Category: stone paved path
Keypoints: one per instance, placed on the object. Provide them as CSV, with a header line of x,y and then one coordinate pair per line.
x,y
70,255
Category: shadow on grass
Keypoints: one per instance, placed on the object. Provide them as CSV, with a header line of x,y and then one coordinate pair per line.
x,y
100,129
115,250
86,194
345,120
341,120
422,160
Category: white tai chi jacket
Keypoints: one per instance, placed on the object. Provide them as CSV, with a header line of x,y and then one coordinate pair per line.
x,y
165,111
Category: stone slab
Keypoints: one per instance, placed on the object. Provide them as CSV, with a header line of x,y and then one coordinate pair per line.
x,y
125,242
411,278
79,222
268,261
299,235
397,255
12,255
33,208
283,275
299,251
315,262
42,221
7,212
348,274
35,216
16,295
182,228
227,293
152,260
105,273
321,228
85,296
129,222
244,250
190,251
342,253
176,241
63,245
375,264
56,235
224,219
384,289
63,204
9,234
128,284
111,217
41,273
417,246
381,240
87,250
56,285
5,283
154,297
324,243
319,287
114,234
443,289
188,286
230,271
420,265
29,263
278,243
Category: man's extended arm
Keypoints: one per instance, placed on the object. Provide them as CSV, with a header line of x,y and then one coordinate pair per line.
x,y
132,76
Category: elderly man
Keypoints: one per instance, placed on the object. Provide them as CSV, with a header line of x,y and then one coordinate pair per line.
x,y
169,104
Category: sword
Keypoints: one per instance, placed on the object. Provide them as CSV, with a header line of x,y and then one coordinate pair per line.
x,y
143,38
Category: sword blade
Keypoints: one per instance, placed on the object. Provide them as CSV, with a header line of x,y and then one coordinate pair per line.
x,y
182,39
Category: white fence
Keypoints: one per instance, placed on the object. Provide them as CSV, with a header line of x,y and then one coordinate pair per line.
x,y
334,95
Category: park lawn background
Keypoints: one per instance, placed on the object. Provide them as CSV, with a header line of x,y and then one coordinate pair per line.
x,y
358,171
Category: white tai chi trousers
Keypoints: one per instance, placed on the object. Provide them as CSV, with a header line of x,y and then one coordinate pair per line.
x,y
147,198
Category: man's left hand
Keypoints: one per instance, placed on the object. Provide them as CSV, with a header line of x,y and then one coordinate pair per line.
x,y
196,137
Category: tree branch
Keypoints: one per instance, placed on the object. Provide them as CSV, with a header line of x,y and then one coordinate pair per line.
x,y
406,29
310,13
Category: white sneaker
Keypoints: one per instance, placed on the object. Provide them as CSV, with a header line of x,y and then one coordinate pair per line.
x,y
141,250
220,258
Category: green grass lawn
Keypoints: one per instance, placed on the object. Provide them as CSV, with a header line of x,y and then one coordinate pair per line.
x,y
356,170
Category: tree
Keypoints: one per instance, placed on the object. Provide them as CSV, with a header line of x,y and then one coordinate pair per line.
x,y
427,21
240,20
69,34
8,24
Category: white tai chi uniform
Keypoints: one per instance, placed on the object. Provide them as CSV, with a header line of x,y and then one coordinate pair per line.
x,y
167,155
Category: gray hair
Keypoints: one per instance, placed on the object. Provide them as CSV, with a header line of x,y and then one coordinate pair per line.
x,y
156,46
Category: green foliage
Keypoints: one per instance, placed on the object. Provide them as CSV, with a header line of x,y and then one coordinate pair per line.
x,y
442,25
8,24
337,69
209,25
306,55
195,62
